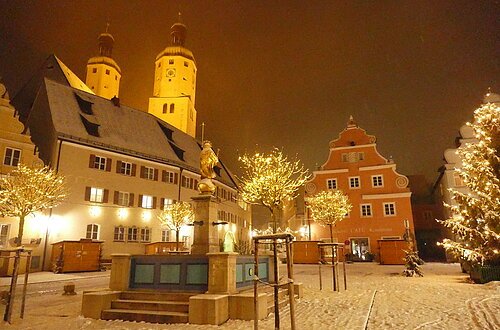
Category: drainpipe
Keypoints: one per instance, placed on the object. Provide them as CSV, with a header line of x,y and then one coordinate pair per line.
x,y
50,211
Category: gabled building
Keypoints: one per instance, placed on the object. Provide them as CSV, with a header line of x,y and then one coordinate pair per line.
x,y
379,195
16,147
122,165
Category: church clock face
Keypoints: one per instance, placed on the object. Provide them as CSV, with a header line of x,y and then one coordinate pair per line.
x,y
171,73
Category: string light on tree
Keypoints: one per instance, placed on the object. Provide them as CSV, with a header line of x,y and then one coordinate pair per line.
x,y
176,216
27,190
329,207
270,180
476,220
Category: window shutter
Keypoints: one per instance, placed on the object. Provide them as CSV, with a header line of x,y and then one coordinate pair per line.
x,y
87,194
108,164
154,202
156,174
139,202
115,198
106,196
176,178
164,176
162,203
118,166
133,169
131,199
142,174
91,161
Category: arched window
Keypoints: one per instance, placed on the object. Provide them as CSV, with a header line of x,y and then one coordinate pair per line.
x,y
165,108
172,106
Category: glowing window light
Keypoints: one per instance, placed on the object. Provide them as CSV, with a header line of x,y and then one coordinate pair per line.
x,y
146,216
95,211
122,213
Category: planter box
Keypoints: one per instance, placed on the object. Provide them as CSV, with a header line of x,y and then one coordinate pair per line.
x,y
485,274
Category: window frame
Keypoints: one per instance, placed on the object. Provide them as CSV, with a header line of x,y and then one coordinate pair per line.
x,y
329,184
100,163
96,195
391,207
147,201
354,179
149,173
126,168
12,159
378,181
366,210
145,234
93,233
133,234
119,231
165,235
4,238
121,198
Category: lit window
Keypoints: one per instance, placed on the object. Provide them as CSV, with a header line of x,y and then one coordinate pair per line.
x,y
377,181
147,202
132,234
11,157
4,234
92,231
352,157
96,195
389,209
354,182
123,198
126,168
119,234
331,183
100,163
366,210
167,202
145,235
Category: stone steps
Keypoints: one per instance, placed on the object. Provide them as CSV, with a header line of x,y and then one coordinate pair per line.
x,y
145,316
150,306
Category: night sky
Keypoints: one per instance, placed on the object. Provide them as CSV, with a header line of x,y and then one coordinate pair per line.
x,y
287,73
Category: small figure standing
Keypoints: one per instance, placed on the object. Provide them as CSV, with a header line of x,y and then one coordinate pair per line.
x,y
208,160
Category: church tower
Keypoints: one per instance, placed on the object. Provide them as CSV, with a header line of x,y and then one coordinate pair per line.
x,y
175,83
103,74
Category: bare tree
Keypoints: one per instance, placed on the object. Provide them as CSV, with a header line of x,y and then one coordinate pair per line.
x,y
27,190
329,207
175,216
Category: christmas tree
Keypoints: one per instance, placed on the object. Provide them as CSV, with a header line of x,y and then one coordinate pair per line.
x,y
412,262
476,214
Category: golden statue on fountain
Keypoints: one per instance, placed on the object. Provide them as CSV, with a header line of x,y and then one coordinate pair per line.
x,y
208,160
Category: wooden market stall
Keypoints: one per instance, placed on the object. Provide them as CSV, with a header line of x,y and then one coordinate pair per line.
x,y
76,256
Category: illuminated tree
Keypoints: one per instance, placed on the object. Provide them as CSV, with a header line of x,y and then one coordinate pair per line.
x,y
175,216
476,214
27,190
412,262
270,180
329,207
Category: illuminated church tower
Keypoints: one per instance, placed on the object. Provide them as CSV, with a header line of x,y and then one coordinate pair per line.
x,y
103,74
175,83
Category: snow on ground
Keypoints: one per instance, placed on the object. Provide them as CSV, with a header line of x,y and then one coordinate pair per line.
x,y
442,299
